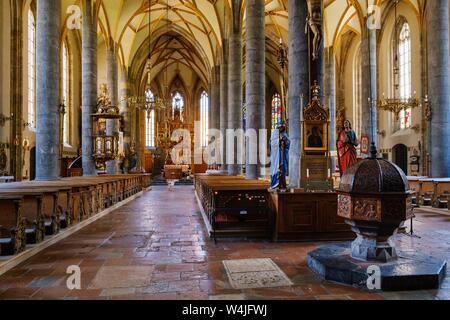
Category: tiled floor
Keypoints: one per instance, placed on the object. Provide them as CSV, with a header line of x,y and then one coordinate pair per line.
x,y
156,248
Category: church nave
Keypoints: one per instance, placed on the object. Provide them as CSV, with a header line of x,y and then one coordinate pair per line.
x,y
157,248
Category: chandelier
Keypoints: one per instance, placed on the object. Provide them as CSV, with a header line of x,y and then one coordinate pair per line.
x,y
148,101
396,105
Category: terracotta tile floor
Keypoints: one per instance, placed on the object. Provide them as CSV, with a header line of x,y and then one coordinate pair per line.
x,y
156,248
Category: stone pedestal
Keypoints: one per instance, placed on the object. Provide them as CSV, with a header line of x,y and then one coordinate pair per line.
x,y
374,242
411,271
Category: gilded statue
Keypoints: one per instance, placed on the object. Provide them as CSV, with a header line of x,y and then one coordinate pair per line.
x,y
104,104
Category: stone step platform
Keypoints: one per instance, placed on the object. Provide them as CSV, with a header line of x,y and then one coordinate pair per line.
x,y
413,270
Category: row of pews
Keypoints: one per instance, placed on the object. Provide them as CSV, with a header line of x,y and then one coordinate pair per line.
x,y
233,206
31,211
430,192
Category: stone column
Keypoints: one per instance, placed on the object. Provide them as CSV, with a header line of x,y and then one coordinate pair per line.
x,y
214,110
298,84
224,103
438,86
125,91
112,125
235,87
88,84
256,81
47,89
330,99
215,99
369,83
16,87
317,66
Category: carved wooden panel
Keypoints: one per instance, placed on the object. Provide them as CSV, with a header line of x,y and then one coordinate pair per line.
x,y
367,209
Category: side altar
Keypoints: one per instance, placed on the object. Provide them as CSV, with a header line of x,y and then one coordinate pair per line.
x,y
316,160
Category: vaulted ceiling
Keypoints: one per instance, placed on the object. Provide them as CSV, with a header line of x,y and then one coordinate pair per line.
x,y
186,35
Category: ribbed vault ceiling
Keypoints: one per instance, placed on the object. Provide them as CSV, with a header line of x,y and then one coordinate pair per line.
x,y
187,34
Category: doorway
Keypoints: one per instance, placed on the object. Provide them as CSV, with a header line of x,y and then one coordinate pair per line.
x,y
400,153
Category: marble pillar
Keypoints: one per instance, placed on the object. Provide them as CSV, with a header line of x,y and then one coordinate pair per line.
x,y
224,104
112,126
330,99
47,89
298,84
215,99
235,121
438,86
369,83
256,81
88,83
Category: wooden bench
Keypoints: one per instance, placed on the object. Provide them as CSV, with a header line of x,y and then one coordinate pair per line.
x,y
12,226
415,186
426,195
56,207
32,212
442,193
234,206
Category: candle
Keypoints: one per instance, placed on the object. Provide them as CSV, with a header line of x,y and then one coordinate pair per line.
x,y
301,107
307,173
329,173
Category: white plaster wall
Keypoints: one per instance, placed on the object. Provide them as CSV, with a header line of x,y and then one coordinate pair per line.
x,y
408,137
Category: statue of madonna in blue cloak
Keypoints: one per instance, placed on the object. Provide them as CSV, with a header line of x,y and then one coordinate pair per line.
x,y
279,157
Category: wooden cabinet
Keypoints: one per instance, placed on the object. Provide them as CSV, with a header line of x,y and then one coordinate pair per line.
x,y
308,216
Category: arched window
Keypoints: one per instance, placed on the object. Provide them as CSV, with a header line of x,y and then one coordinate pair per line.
x,y
31,69
204,118
178,105
276,111
66,92
404,72
150,123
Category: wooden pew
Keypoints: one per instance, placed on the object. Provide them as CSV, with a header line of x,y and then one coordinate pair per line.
x,y
12,226
415,186
32,212
235,206
427,189
55,210
442,193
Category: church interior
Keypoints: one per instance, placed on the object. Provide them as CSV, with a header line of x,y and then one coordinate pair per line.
x,y
224,149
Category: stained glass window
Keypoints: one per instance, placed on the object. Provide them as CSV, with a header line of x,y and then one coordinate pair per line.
x,y
276,111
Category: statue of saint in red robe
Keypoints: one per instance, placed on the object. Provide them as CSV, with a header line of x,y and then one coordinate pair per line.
x,y
346,147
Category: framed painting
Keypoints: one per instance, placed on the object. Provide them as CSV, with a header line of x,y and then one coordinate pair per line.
x,y
315,136
365,144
